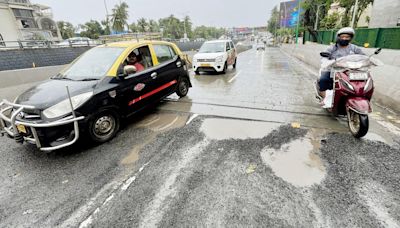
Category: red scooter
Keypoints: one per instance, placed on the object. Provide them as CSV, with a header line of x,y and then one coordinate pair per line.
x,y
352,91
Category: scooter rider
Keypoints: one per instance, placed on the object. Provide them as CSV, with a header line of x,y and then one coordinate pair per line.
x,y
343,47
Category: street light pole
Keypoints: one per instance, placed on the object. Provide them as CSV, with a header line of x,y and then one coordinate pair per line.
x,y
355,9
298,23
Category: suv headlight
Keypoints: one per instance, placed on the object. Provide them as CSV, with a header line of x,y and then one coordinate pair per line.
x,y
219,59
64,107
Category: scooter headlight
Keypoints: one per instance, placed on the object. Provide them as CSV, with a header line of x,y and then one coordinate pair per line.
x,y
347,85
64,107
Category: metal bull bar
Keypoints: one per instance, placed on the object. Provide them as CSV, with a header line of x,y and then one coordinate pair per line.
x,y
13,130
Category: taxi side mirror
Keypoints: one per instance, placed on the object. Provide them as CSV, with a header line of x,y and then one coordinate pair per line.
x,y
128,70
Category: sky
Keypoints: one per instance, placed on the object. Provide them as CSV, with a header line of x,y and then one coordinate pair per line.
x,y
219,13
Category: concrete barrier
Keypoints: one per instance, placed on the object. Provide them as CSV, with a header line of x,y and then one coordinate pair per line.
x,y
386,78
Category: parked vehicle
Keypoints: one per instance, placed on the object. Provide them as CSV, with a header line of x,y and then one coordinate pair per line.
x,y
215,56
353,90
92,95
77,41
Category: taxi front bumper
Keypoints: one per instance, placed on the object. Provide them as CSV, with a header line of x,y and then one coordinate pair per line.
x,y
10,124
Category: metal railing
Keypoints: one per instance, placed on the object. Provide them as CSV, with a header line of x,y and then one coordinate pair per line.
x,y
32,44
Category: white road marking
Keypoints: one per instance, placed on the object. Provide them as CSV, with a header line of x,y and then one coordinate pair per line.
x,y
153,214
168,125
111,189
194,116
234,77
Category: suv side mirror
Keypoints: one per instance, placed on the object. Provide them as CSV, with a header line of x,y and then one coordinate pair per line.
x,y
129,69
325,54
378,51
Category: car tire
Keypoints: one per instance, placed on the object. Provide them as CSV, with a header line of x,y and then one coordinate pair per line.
x,y
225,68
183,87
234,65
104,126
196,72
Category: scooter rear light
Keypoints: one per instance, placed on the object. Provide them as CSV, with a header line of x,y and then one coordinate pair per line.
x,y
368,86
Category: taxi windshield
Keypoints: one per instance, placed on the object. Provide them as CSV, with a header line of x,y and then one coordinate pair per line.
x,y
92,65
212,47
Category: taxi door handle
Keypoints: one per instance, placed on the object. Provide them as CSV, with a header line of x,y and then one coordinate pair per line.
x,y
178,64
153,75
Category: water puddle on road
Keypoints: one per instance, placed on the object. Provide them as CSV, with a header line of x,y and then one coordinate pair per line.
x,y
221,129
297,162
156,123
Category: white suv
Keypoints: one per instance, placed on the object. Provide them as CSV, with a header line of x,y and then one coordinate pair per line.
x,y
215,56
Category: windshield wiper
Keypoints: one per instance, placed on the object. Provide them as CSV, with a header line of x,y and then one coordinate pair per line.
x,y
61,78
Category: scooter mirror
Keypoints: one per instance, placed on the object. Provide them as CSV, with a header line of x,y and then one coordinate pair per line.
x,y
378,51
325,54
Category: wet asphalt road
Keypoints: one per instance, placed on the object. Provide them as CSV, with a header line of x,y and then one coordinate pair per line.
x,y
247,149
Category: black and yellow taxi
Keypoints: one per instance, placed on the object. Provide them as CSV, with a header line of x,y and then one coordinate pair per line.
x,y
92,95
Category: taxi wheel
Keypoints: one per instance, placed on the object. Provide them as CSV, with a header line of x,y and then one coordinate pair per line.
x,y
104,126
183,87
197,72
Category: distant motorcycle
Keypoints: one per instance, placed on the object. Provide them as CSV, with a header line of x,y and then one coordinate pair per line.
x,y
353,89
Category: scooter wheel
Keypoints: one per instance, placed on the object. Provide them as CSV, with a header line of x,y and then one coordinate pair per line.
x,y
358,124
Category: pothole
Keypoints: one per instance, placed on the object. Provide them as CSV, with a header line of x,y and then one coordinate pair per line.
x,y
297,162
221,129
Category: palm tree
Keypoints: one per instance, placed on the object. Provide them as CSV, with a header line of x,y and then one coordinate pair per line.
x,y
142,24
120,16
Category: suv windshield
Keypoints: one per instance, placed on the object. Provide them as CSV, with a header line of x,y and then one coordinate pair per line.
x,y
212,47
94,64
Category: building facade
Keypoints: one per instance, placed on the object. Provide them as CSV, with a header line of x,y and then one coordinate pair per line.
x,y
385,14
21,20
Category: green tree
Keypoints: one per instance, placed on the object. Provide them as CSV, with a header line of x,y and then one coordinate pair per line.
x,y
142,25
331,22
120,16
67,30
133,27
273,22
187,23
153,26
92,29
106,26
172,27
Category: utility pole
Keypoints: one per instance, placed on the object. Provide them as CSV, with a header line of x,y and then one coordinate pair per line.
x,y
355,9
298,23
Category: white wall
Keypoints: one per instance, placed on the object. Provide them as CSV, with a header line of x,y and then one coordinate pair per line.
x,y
7,26
385,13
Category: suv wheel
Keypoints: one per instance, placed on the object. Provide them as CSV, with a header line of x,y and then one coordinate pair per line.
x,y
225,68
234,65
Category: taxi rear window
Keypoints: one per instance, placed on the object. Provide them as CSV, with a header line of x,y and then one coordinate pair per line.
x,y
164,53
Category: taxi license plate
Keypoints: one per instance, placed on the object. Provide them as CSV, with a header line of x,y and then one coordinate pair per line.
x,y
21,128
358,76
205,65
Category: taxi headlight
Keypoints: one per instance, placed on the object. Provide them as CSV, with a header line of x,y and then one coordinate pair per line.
x,y
64,107
219,59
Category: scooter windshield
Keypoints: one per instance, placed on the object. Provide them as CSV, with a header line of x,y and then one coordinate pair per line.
x,y
356,62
